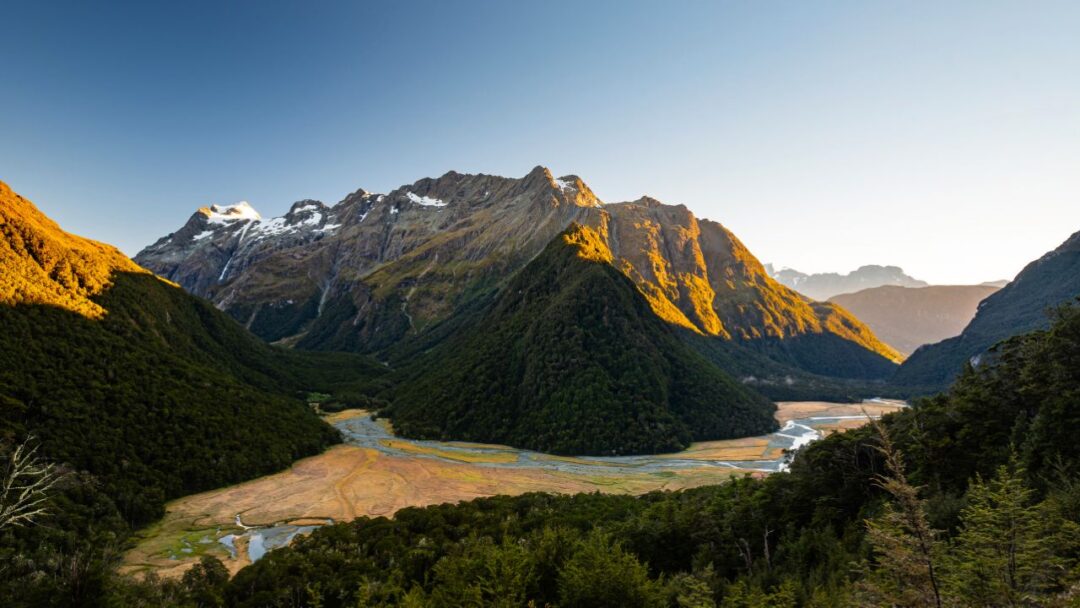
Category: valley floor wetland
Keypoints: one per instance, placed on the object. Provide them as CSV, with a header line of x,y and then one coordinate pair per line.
x,y
375,473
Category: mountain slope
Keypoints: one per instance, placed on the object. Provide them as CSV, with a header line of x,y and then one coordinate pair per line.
x,y
366,272
908,317
569,359
152,391
825,285
698,275
376,271
1019,307
45,265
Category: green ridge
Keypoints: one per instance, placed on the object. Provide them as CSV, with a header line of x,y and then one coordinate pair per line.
x,y
569,359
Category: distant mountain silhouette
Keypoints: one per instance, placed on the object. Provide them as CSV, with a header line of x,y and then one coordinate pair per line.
x,y
908,317
822,286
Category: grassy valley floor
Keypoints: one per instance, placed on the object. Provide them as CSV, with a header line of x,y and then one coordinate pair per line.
x,y
375,474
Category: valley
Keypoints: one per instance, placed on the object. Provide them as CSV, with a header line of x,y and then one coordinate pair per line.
x,y
376,474
498,305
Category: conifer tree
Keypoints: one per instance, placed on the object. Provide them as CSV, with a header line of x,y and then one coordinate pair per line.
x,y
1005,553
907,551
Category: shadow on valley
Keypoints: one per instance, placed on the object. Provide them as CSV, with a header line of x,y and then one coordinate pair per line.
x,y
969,498
162,397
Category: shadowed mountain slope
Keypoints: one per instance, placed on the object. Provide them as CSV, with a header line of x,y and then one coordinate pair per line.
x,y
1019,307
570,359
152,391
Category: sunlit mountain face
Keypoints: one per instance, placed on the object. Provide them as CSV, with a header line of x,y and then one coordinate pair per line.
x,y
378,270
44,265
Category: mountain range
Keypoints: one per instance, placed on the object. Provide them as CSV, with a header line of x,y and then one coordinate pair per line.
x,y
909,317
634,327
124,376
1024,305
825,285
376,272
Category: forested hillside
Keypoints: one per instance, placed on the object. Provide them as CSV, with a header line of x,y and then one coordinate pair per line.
x,y
570,359
139,392
971,498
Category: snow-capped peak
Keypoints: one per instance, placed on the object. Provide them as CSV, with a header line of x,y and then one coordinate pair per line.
x,y
220,214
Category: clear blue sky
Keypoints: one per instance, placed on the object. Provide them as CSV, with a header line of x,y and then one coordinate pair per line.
x,y
942,137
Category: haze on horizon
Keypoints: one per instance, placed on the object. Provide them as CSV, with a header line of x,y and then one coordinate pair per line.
x,y
942,139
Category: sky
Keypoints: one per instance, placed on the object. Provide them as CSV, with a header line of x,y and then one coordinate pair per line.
x,y
943,137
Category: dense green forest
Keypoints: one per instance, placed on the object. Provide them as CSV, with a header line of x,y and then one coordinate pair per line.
x,y
755,364
970,498
570,360
163,396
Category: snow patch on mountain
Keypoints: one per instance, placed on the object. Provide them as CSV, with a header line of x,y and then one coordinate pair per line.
x,y
426,201
306,208
272,227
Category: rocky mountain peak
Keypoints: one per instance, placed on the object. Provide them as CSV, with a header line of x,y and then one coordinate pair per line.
x,y
307,205
648,201
577,191
539,173
306,212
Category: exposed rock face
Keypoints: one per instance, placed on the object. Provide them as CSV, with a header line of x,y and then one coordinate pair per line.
x,y
697,274
908,317
1022,306
822,286
372,269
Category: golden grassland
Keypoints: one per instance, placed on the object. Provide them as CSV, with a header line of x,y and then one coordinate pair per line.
x,y
790,410
346,482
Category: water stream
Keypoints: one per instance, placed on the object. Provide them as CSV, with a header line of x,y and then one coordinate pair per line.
x,y
364,431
